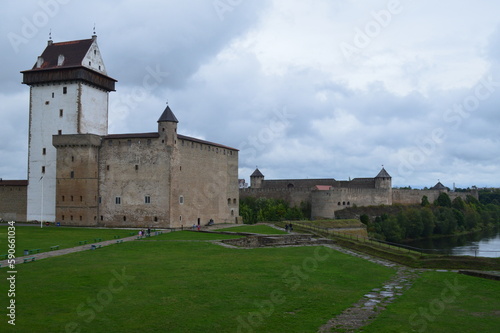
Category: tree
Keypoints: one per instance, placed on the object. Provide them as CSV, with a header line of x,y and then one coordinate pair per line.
x,y
365,219
443,200
425,201
458,203
428,220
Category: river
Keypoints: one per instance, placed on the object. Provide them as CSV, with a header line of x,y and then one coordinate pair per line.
x,y
480,244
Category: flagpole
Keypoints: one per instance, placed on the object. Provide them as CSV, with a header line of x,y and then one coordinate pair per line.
x,y
41,214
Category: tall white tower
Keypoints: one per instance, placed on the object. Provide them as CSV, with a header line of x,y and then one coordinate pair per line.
x,y
69,90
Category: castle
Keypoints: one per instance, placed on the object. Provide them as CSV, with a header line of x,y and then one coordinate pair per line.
x,y
79,175
327,196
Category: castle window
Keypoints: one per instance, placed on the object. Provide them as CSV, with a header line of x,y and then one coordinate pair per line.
x,y
181,199
71,217
102,217
90,63
95,52
136,167
44,151
65,90
348,203
107,167
118,200
62,217
62,199
147,199
52,95
124,218
290,186
72,174
343,203
156,218
59,132
163,129
234,201
81,218
228,201
61,111
338,203
72,158
71,198
47,102
81,198
43,169
232,212
100,200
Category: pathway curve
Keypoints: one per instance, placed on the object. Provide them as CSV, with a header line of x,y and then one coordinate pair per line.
x,y
43,255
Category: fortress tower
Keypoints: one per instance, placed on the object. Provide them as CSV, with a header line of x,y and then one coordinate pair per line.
x,y
256,179
69,90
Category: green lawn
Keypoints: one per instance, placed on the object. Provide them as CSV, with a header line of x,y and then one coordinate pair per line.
x,y
188,287
191,235
257,229
34,237
443,302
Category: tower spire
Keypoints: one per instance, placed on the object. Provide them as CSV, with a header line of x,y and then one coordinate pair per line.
x,y
49,42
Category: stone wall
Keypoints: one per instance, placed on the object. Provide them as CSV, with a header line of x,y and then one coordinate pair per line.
x,y
325,203
409,197
77,179
206,184
134,181
13,195
294,196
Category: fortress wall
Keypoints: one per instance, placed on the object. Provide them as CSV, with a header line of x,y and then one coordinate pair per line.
x,y
129,171
325,203
13,199
411,197
207,179
293,196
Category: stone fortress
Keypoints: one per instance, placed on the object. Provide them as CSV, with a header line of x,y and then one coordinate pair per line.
x,y
327,196
80,175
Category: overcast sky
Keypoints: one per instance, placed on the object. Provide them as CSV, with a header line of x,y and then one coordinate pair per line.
x,y
305,89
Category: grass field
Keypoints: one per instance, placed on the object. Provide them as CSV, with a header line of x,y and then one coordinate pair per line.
x,y
445,303
34,237
257,229
180,282
163,286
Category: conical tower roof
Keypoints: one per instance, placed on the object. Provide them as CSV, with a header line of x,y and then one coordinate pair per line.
x,y
168,115
439,186
383,174
257,173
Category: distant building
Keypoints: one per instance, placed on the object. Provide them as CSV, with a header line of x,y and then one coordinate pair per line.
x,y
327,196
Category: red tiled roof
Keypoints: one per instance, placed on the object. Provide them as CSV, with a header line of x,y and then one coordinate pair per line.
x,y
323,187
13,182
73,52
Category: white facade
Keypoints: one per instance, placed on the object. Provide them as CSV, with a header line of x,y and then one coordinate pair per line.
x,y
68,107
